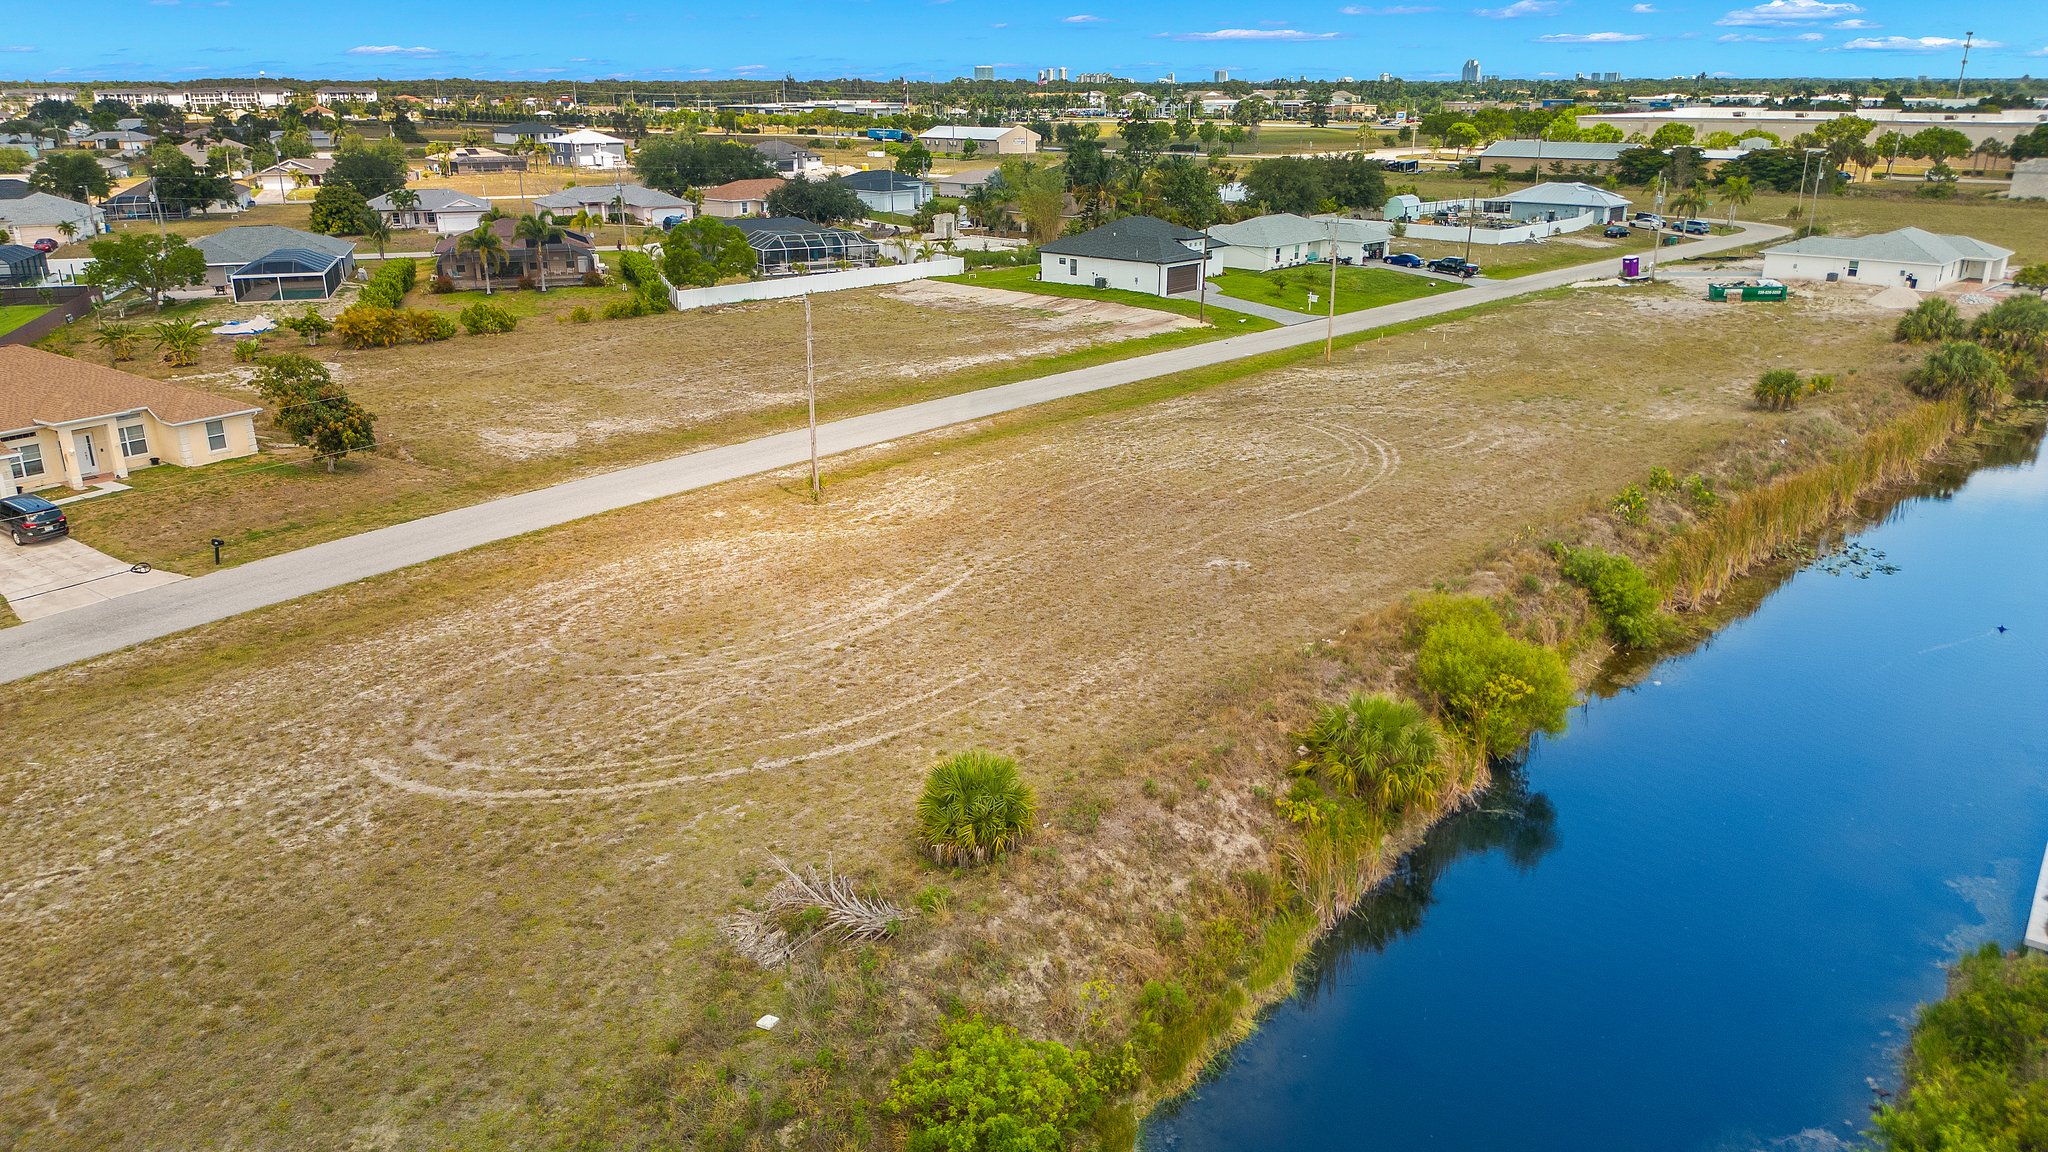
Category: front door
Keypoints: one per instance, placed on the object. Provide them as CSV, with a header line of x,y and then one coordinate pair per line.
x,y
88,460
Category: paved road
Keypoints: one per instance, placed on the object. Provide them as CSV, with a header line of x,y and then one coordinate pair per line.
x,y
40,645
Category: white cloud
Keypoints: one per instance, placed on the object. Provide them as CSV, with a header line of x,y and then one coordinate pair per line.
x,y
2039,52
1519,8
1912,44
1397,10
17,48
1783,13
1753,38
1083,18
1854,25
392,50
1256,34
1591,38
1642,9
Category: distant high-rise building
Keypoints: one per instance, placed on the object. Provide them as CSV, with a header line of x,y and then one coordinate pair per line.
x,y
1610,77
984,71
1063,75
1093,77
1386,77
1223,76
1471,73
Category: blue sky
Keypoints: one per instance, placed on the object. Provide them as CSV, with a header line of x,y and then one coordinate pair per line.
x,y
938,39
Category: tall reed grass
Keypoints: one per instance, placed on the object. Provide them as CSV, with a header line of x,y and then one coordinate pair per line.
x,y
1748,530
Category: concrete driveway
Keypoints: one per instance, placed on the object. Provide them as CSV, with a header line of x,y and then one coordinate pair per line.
x,y
52,576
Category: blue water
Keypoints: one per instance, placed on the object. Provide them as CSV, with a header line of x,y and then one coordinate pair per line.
x,y
1701,919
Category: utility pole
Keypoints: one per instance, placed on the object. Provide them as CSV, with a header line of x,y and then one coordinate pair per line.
x,y
1656,242
1330,332
811,394
1967,38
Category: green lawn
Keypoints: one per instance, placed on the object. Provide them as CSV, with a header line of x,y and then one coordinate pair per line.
x,y
1357,288
13,316
1025,279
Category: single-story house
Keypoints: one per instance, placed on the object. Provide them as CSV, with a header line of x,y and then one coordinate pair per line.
x,y
22,266
585,148
1522,153
124,143
462,161
1558,201
66,421
140,202
884,190
1912,257
963,182
563,262
281,179
643,205
27,142
260,262
435,209
1263,243
530,130
740,198
1359,241
1136,254
43,215
790,159
787,245
951,138
319,140
116,167
2030,180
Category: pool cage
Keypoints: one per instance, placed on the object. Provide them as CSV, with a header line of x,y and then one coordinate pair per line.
x,y
288,274
790,247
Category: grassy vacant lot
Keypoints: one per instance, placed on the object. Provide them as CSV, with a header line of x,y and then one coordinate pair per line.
x,y
1357,288
480,416
439,860
1025,279
13,316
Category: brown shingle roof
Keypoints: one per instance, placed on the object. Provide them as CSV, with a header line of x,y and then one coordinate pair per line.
x,y
38,387
744,189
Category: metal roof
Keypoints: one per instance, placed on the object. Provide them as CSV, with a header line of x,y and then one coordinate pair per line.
x,y
1137,239
1904,246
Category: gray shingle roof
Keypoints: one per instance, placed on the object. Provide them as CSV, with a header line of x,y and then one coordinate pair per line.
x,y
243,243
784,150
1138,239
1575,195
595,195
880,180
1270,231
41,208
1904,246
436,200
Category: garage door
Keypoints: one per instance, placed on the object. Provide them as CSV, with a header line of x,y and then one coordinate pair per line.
x,y
1183,278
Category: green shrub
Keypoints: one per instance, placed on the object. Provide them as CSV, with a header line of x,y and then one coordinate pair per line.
x,y
389,284
428,327
1498,690
1778,390
1977,1066
641,274
1631,505
312,325
371,326
1931,321
626,307
975,807
1621,593
1699,493
1661,480
579,315
2016,332
1963,371
1382,750
482,319
246,351
987,1089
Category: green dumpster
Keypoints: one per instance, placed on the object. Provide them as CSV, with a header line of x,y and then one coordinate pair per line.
x,y
1670,240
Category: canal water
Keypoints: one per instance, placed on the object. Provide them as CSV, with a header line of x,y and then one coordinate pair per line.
x,y
1700,921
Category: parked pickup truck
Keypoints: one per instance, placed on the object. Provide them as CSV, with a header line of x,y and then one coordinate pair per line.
x,y
1454,266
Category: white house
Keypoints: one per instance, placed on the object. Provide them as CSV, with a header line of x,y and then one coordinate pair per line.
x,y
791,159
530,130
1558,201
42,216
1359,241
963,182
1263,243
434,209
276,183
1911,257
1012,141
884,190
1135,254
585,148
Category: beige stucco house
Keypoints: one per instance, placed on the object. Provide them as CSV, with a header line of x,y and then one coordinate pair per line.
x,y
66,421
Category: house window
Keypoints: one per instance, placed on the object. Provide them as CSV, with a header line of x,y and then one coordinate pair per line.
x,y
1854,265
216,436
133,441
30,463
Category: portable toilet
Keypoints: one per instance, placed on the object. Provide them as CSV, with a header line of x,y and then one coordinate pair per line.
x,y
1403,207
1631,267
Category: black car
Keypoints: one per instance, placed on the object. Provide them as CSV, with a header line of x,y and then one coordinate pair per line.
x,y
29,518
1454,266
1616,231
1405,260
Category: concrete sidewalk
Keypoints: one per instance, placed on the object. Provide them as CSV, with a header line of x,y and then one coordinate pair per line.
x,y
94,630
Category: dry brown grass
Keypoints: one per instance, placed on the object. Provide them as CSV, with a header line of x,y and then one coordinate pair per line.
x,y
433,859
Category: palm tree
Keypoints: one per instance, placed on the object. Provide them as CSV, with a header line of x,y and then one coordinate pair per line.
x,y
539,232
180,340
1991,150
1737,192
403,199
490,251
377,230
69,230
1691,202
119,340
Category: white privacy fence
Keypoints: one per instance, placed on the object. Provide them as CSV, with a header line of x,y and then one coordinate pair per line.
x,y
1529,230
685,299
